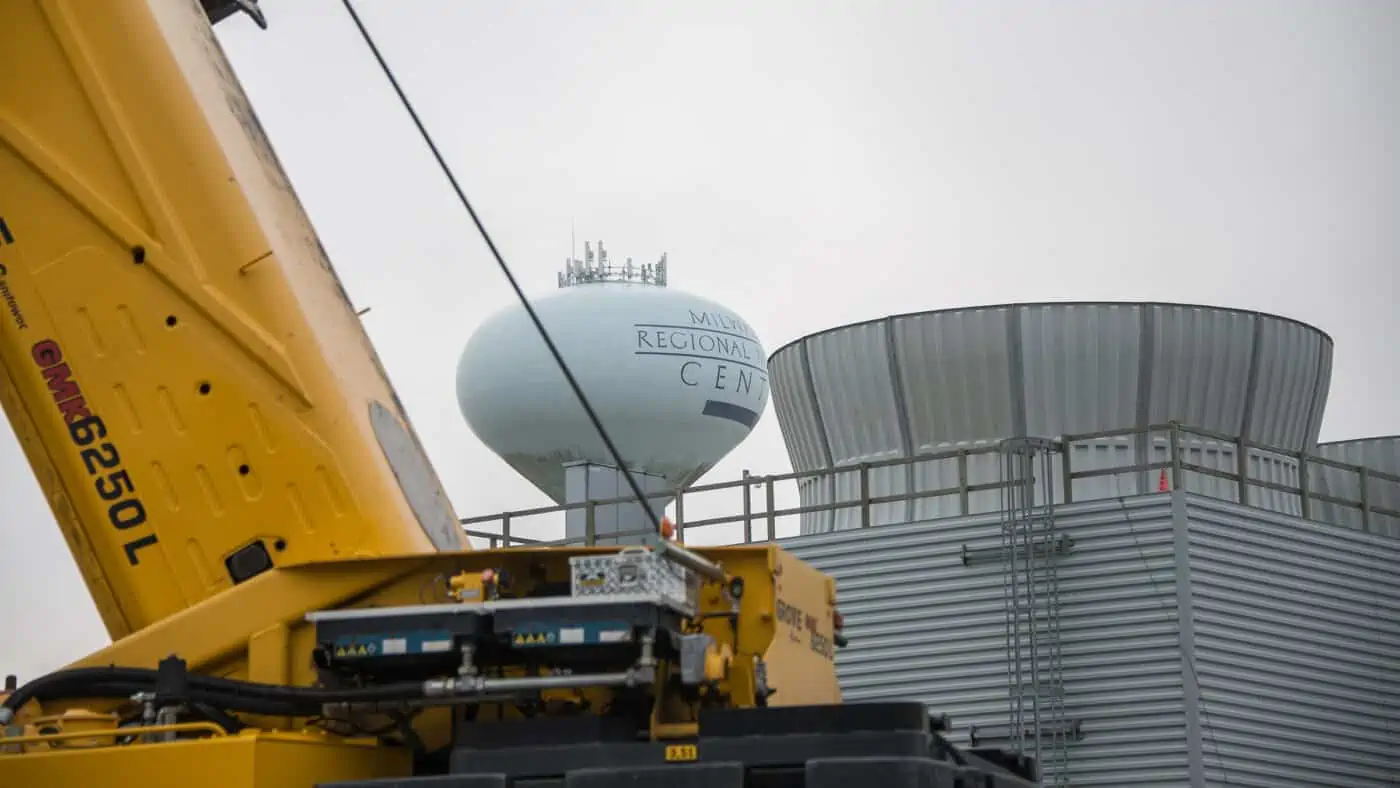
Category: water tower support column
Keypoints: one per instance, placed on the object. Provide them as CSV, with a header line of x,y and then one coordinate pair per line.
x,y
586,481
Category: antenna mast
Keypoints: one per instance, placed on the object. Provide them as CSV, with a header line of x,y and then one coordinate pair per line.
x,y
597,266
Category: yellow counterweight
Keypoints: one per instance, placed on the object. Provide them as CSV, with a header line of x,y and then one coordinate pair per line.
x,y
177,356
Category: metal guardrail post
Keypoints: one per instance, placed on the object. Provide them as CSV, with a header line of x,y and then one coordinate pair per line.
x,y
590,525
505,529
1242,468
772,508
962,481
680,515
864,495
1304,500
1365,499
1174,445
748,507
1066,474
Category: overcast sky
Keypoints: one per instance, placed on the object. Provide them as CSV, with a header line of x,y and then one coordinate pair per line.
x,y
809,164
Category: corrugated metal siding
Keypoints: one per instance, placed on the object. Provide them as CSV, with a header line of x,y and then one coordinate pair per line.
x,y
1279,469
1080,367
1197,357
800,423
1294,636
797,411
971,377
851,374
1376,454
923,626
1293,374
1319,408
956,374
1297,649
955,369
1221,456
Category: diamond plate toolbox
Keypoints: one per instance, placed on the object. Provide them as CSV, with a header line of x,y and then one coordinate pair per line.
x,y
635,570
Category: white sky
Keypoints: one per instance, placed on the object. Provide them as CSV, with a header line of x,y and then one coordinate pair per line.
x,y
810,164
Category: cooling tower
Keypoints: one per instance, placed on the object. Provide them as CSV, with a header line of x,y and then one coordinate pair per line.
x,y
946,380
1379,457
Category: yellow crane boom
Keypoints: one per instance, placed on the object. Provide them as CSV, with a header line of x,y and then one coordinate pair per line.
x,y
181,363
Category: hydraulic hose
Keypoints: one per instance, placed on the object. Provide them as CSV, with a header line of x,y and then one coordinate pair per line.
x,y
219,717
233,694
120,690
312,696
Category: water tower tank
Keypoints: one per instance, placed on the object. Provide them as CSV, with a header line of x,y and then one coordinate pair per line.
x,y
678,380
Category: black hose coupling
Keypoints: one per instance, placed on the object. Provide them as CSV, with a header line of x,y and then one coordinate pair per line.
x,y
172,683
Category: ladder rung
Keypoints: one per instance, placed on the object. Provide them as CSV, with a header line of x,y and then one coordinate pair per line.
x,y
1051,691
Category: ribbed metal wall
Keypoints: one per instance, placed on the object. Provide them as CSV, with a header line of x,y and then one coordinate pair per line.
x,y
935,381
924,627
1374,454
1297,650
1284,669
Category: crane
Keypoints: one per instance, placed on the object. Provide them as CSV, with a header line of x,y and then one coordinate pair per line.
x,y
290,597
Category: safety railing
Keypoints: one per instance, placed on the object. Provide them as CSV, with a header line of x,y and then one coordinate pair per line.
x,y
758,495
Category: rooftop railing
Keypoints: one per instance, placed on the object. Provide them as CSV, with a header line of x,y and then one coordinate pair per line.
x,y
759,512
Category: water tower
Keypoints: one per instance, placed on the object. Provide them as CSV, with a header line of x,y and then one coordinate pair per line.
x,y
677,380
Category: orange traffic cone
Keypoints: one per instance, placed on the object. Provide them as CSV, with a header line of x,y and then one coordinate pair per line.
x,y
1162,485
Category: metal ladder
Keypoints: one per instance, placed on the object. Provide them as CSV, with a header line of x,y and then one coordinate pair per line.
x,y
1030,552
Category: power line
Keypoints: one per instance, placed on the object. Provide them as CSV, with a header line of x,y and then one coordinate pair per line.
x,y
505,269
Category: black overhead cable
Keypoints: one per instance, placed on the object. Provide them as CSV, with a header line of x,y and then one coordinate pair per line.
x,y
505,269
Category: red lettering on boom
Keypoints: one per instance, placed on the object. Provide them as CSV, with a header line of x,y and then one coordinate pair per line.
x,y
59,376
74,410
61,383
84,428
46,353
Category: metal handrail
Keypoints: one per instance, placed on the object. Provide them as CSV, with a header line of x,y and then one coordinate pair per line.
x,y
1175,466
